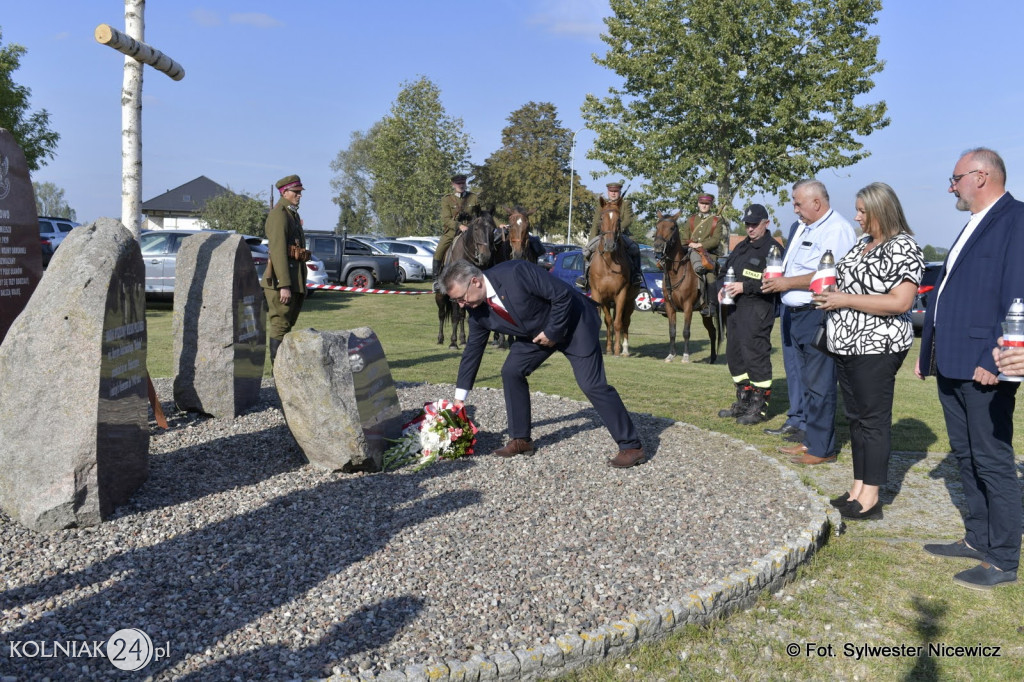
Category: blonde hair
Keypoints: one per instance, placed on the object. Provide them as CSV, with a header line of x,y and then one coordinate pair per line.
x,y
882,208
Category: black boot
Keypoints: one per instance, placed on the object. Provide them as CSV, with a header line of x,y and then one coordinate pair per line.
x,y
583,281
705,297
757,410
274,345
437,276
638,272
739,407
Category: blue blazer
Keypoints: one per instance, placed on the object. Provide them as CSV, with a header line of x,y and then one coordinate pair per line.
x,y
984,280
538,302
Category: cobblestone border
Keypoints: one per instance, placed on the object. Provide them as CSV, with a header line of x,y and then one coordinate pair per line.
x,y
571,651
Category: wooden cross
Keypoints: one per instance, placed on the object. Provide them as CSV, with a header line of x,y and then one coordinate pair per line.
x,y
136,53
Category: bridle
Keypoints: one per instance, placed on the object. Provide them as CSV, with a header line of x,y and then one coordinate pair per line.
x,y
661,249
614,232
518,244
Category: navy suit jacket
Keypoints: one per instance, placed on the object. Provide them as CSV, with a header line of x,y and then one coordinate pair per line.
x,y
538,302
986,277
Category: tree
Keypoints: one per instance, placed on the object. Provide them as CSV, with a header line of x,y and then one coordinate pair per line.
x,y
354,183
30,130
415,151
749,95
50,201
242,212
531,170
933,254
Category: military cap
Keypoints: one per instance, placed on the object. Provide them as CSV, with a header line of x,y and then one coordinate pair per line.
x,y
754,214
459,179
288,182
706,199
614,185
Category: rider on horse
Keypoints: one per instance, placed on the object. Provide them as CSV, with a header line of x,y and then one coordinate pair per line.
x,y
704,233
625,221
457,210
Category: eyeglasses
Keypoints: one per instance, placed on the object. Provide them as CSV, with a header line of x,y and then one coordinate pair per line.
x,y
957,178
462,298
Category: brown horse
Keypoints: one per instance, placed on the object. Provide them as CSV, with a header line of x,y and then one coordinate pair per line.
x,y
680,286
476,245
519,234
610,275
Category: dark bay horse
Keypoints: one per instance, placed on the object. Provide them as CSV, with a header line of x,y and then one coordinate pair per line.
x,y
680,286
476,245
610,275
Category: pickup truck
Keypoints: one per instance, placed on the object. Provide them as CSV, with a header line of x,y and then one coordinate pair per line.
x,y
363,265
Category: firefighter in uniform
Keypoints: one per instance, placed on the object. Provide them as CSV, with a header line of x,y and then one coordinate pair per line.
x,y
625,222
457,210
284,282
705,241
749,325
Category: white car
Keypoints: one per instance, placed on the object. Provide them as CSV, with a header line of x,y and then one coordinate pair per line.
x,y
430,242
316,273
417,251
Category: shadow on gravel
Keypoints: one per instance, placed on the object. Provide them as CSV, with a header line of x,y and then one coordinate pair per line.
x,y
234,572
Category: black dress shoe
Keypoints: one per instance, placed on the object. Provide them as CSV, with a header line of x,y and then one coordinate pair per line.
x,y
783,430
797,436
854,512
840,501
955,549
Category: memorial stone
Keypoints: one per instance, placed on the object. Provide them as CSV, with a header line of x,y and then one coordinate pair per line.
x,y
219,326
338,397
21,263
74,430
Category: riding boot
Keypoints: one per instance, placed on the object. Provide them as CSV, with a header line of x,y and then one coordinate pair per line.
x,y
437,276
705,296
638,273
757,410
743,393
274,345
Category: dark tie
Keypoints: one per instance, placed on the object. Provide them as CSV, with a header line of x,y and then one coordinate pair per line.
x,y
501,312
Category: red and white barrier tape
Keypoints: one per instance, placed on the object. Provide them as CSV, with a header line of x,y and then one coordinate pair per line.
x,y
363,290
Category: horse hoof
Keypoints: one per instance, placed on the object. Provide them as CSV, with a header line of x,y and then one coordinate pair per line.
x,y
686,359
670,358
452,346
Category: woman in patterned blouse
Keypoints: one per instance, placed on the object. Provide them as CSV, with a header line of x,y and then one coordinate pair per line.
x,y
869,333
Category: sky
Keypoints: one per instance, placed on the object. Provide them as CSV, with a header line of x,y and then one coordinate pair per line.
x,y
272,89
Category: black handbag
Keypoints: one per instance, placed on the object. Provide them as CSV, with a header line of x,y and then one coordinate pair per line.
x,y
821,336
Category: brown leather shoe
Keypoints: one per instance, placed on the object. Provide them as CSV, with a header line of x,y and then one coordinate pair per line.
x,y
811,459
797,449
516,446
628,458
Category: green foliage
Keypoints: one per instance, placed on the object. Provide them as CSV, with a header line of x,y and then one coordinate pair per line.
x,y
354,184
50,201
932,253
30,130
749,95
242,212
416,150
531,170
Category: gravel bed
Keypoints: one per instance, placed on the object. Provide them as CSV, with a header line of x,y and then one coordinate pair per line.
x,y
252,565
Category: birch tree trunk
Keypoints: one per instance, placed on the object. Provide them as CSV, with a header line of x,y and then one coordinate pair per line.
x,y
131,122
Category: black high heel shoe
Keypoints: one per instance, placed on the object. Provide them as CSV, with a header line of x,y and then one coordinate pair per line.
x,y
854,512
840,501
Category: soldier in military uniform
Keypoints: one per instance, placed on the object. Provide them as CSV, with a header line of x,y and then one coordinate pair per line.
x,y
284,282
704,231
625,222
749,326
457,210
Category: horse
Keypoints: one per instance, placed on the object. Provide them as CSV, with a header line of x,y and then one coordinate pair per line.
x,y
476,245
610,275
680,286
521,245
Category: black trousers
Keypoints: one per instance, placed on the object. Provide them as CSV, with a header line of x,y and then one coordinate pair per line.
x,y
868,383
979,421
524,357
750,340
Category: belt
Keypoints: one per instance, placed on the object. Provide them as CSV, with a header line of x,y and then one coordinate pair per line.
x,y
802,308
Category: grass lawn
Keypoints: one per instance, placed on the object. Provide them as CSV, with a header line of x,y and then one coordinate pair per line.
x,y
865,587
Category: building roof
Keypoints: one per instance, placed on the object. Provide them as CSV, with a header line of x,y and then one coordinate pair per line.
x,y
188,199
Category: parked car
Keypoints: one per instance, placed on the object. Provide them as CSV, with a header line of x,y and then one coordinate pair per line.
x,y
363,264
260,250
547,259
568,265
429,242
316,273
46,247
928,281
55,229
417,251
160,255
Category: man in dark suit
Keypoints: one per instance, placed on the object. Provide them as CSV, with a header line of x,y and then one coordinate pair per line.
x,y
544,314
981,277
